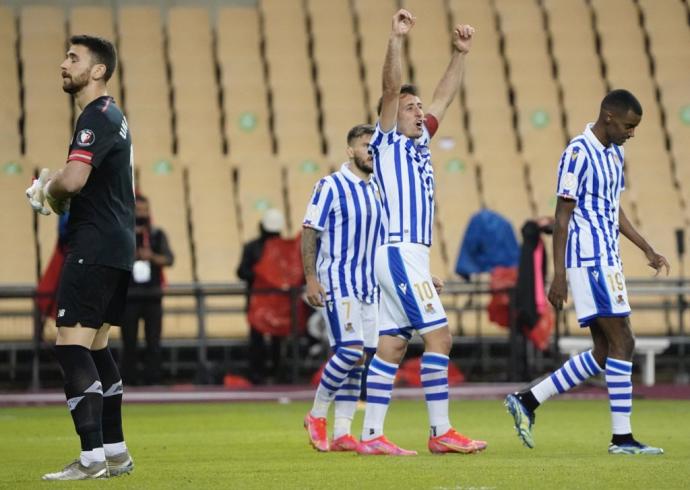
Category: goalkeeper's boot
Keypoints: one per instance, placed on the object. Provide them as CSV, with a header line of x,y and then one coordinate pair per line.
x,y
634,447
382,446
523,418
344,443
454,442
317,430
119,464
77,471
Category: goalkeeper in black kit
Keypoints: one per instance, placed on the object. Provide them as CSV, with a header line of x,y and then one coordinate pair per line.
x,y
96,185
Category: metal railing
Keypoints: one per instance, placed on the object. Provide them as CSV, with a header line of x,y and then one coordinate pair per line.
x,y
672,291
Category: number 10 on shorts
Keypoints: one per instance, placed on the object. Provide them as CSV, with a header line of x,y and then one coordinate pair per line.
x,y
424,290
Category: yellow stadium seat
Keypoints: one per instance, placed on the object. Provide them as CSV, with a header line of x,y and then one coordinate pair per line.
x,y
245,100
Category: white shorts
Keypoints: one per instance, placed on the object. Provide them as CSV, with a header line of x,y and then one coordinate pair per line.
x,y
409,301
350,321
598,291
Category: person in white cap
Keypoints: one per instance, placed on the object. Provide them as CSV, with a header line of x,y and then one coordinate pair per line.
x,y
271,225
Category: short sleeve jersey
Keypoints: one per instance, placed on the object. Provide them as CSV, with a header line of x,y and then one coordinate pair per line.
x,y
403,171
592,175
100,229
346,211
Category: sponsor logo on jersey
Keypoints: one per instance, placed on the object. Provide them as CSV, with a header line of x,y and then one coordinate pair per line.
x,y
312,214
569,183
86,137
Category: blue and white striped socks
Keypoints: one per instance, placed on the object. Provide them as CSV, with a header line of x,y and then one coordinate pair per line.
x,y
380,379
619,384
346,402
334,375
572,373
434,374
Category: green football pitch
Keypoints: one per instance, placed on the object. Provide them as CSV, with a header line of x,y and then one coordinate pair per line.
x,y
263,446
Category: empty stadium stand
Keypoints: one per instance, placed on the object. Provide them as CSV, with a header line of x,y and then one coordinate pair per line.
x,y
236,108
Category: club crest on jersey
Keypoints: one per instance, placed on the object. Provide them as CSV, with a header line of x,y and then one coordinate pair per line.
x,y
86,137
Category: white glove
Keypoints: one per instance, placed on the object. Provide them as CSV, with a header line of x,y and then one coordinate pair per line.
x,y
59,206
36,193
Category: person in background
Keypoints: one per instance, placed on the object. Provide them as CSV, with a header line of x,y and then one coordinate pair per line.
x,y
145,298
271,226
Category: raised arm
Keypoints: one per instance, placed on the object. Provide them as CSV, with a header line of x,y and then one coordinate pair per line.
x,y
558,293
656,261
403,21
450,82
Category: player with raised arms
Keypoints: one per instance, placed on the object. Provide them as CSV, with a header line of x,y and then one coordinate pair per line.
x,y
409,297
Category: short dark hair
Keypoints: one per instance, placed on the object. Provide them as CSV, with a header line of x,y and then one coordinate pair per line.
x,y
406,88
102,50
359,130
621,101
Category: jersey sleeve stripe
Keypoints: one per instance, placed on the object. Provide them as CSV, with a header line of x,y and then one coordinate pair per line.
x,y
80,156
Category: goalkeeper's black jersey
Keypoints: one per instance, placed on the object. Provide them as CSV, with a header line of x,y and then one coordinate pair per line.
x,y
100,229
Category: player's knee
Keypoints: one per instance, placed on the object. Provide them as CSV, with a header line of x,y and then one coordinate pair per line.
x,y
440,341
629,345
352,354
622,346
600,353
391,349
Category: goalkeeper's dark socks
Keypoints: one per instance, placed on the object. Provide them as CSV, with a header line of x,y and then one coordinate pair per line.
x,y
528,400
112,396
623,440
84,394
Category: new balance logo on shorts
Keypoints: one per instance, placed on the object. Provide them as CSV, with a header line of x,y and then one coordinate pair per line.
x,y
61,313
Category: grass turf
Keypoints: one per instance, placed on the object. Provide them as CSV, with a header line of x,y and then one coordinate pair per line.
x,y
263,445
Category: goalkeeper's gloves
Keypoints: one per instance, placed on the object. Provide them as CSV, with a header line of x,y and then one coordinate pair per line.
x,y
59,206
36,193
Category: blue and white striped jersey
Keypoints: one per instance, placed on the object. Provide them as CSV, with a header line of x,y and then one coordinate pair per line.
x,y
592,175
403,171
347,212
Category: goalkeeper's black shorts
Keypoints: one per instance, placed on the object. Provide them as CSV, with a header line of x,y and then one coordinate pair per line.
x,y
91,295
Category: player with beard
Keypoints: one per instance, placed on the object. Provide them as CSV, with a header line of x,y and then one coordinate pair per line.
x,y
96,184
342,229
